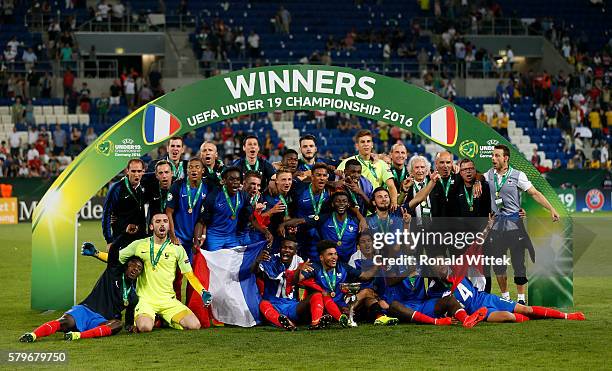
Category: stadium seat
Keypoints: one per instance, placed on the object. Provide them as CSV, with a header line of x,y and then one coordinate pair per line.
x,y
5,110
39,119
59,110
83,119
73,119
51,119
47,110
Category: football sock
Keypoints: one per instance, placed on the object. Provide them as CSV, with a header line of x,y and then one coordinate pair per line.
x,y
269,312
331,307
47,329
96,332
505,295
461,315
422,318
543,312
521,297
520,318
316,307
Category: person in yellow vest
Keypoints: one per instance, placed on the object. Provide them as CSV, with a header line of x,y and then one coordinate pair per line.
x,y
482,116
595,121
504,119
373,168
495,122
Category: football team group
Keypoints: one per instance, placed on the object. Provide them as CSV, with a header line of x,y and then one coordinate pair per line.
x,y
316,221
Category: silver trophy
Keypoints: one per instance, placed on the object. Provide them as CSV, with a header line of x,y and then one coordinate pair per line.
x,y
350,291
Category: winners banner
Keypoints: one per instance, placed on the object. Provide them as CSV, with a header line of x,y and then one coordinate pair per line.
x,y
299,87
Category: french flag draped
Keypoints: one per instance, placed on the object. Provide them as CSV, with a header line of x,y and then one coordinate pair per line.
x,y
227,275
441,126
158,125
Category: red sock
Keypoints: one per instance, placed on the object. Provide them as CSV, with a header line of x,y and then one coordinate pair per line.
x,y
97,332
331,307
267,309
47,329
316,307
461,315
543,312
520,318
422,318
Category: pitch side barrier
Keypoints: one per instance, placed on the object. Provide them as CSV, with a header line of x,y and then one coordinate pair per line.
x,y
303,87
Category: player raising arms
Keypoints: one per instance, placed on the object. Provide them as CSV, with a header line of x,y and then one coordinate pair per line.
x,y
280,305
100,313
154,288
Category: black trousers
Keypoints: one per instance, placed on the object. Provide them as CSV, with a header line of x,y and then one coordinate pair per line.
x,y
498,245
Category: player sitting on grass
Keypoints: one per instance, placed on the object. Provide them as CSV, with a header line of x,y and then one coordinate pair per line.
x,y
100,313
498,309
161,258
327,276
280,305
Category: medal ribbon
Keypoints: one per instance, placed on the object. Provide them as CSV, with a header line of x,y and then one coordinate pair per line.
x,y
229,202
498,186
316,205
126,290
330,282
384,228
282,198
197,195
177,171
446,186
155,259
129,188
469,197
339,232
248,166
402,176
368,165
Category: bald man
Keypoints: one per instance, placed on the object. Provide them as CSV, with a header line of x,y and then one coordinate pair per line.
x,y
398,167
213,167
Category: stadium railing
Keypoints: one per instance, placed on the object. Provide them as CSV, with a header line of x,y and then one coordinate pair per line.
x,y
476,69
150,23
495,26
101,67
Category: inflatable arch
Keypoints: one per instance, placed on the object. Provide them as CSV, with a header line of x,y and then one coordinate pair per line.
x,y
298,87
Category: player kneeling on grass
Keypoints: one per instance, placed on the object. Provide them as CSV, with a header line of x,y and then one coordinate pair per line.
x,y
329,273
100,313
498,309
280,305
154,288
410,303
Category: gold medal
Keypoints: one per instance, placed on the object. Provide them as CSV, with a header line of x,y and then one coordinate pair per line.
x,y
332,294
339,243
424,203
126,302
190,210
233,217
471,208
316,217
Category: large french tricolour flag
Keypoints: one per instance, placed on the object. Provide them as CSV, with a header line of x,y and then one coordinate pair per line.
x,y
158,125
227,275
441,126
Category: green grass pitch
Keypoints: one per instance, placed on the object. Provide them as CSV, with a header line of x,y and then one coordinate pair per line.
x,y
536,344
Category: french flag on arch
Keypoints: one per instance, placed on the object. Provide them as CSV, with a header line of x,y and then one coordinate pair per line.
x,y
441,126
227,275
158,125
